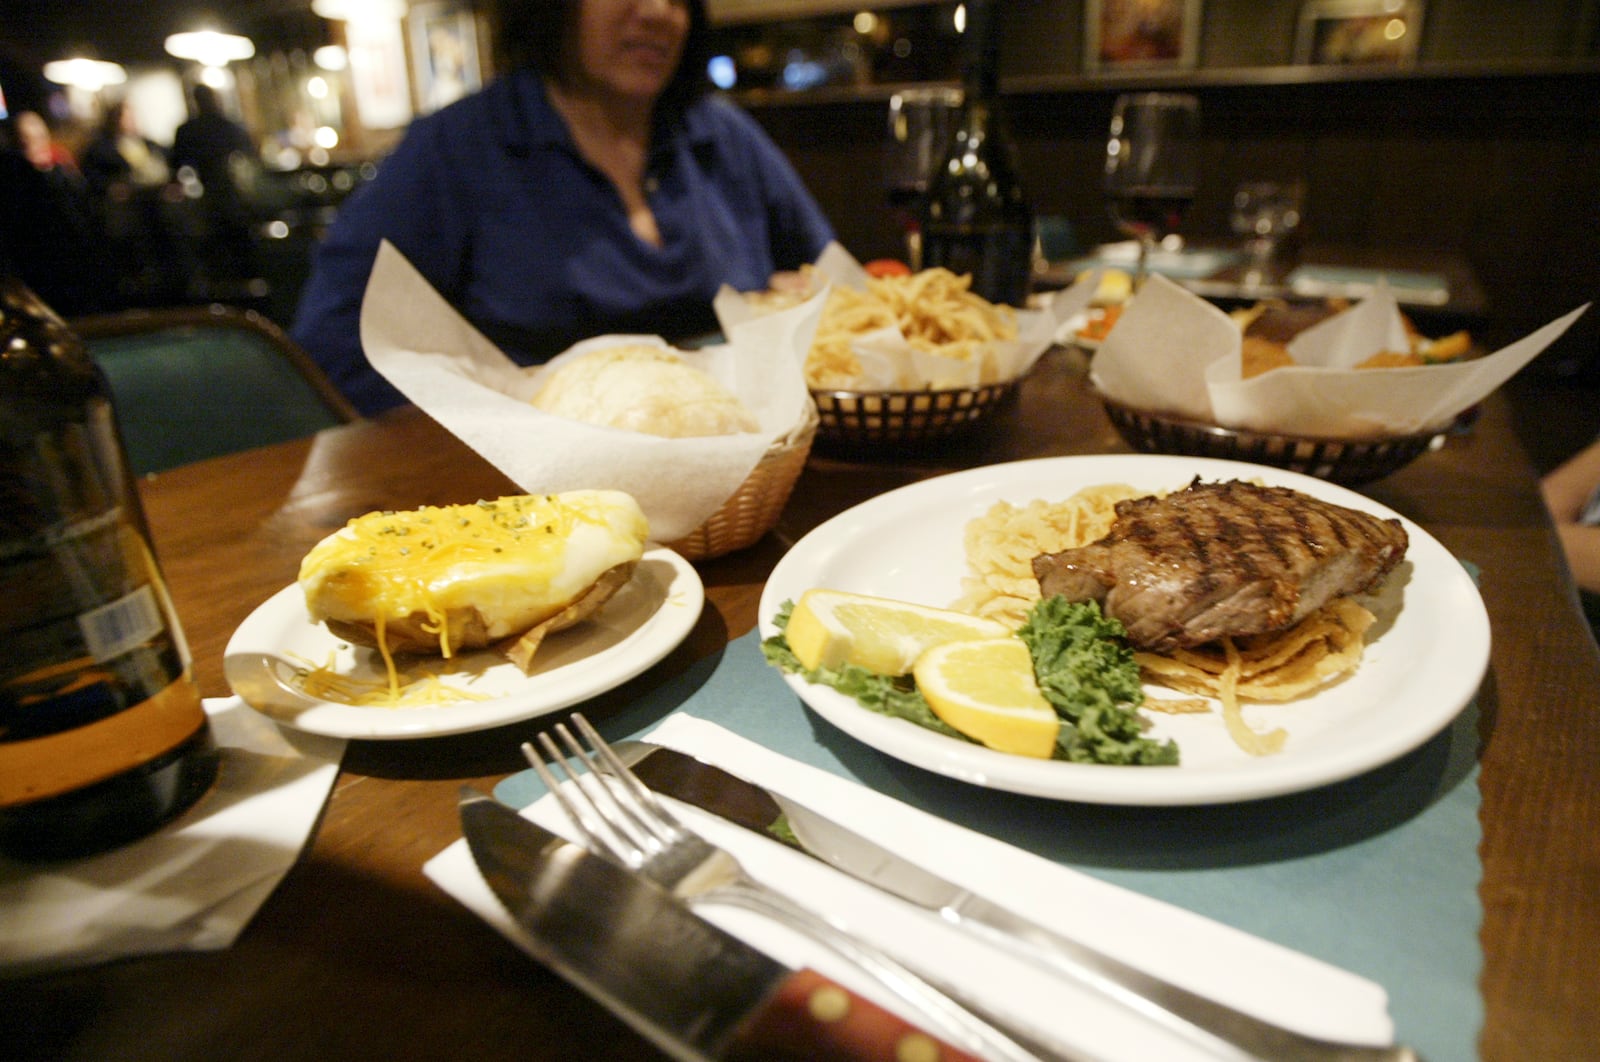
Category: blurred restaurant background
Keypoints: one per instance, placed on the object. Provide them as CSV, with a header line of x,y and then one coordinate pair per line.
x,y
1450,137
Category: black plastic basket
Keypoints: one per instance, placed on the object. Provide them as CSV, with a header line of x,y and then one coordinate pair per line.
x,y
1344,461
886,422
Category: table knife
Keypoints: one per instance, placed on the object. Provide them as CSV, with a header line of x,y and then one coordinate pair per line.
x,y
1204,1022
696,992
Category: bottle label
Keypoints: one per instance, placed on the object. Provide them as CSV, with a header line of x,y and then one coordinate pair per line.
x,y
121,626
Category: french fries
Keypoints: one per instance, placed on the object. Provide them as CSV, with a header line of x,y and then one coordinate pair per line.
x,y
935,310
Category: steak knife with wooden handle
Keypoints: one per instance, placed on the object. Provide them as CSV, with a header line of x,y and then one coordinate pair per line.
x,y
693,990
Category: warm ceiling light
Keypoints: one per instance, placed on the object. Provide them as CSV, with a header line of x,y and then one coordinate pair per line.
x,y
359,10
210,48
330,57
90,74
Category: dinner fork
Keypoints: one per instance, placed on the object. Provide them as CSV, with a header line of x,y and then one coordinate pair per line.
x,y
617,815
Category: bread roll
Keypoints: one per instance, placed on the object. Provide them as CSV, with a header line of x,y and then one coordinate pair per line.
x,y
645,389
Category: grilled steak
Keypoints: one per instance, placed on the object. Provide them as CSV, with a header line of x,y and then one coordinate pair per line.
x,y
1221,559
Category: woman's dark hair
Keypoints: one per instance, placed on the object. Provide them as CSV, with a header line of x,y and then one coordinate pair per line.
x,y
531,33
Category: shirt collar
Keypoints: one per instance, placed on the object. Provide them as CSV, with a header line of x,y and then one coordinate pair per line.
x,y
524,117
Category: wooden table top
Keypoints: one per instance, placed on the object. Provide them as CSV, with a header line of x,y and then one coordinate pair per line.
x,y
357,954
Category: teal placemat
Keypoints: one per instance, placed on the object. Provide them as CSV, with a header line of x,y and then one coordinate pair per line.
x,y
1378,875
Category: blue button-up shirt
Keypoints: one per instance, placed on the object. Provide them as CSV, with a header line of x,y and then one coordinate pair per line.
x,y
491,201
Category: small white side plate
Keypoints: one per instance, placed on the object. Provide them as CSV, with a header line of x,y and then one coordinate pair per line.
x,y
641,624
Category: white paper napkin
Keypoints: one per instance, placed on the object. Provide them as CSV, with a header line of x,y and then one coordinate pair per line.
x,y
194,884
450,370
1226,964
1173,352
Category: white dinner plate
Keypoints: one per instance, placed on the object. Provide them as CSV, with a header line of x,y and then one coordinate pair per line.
x,y
1425,656
643,622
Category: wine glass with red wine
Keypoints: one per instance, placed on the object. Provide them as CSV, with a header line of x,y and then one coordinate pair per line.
x,y
1152,166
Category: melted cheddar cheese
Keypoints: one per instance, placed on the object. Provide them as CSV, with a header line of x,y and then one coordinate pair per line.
x,y
471,574
425,689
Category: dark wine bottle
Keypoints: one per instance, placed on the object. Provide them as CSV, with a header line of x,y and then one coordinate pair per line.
x,y
103,736
977,219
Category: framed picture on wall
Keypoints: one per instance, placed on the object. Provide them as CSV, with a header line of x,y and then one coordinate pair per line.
x,y
1141,34
444,54
1357,32
377,51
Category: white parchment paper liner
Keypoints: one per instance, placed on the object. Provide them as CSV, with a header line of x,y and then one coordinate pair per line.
x,y
449,369
889,362
192,885
1209,957
1173,352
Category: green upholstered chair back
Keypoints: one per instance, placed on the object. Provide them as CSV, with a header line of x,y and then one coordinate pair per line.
x,y
195,382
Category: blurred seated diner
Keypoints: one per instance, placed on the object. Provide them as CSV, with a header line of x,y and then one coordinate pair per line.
x,y
49,234
216,157
140,208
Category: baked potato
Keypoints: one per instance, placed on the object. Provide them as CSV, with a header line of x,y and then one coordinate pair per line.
x,y
504,573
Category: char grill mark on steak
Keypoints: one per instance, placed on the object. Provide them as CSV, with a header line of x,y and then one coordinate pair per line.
x,y
1223,559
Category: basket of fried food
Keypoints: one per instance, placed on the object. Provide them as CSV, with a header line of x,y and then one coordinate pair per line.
x,y
909,361
1344,392
1267,329
902,360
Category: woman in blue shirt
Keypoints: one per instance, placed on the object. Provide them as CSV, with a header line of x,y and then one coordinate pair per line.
x,y
594,188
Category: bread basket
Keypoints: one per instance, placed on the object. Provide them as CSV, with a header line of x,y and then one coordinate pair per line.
x,y
754,508
865,423
1349,462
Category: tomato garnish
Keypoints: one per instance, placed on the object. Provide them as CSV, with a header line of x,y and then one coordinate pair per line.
x,y
887,267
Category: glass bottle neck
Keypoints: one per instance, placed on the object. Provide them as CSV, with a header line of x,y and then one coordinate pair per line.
x,y
980,67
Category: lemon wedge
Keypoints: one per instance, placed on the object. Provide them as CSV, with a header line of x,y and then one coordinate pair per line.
x,y
986,690
829,628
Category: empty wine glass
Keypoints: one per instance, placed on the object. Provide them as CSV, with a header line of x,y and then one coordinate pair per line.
x,y
1152,167
1265,213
